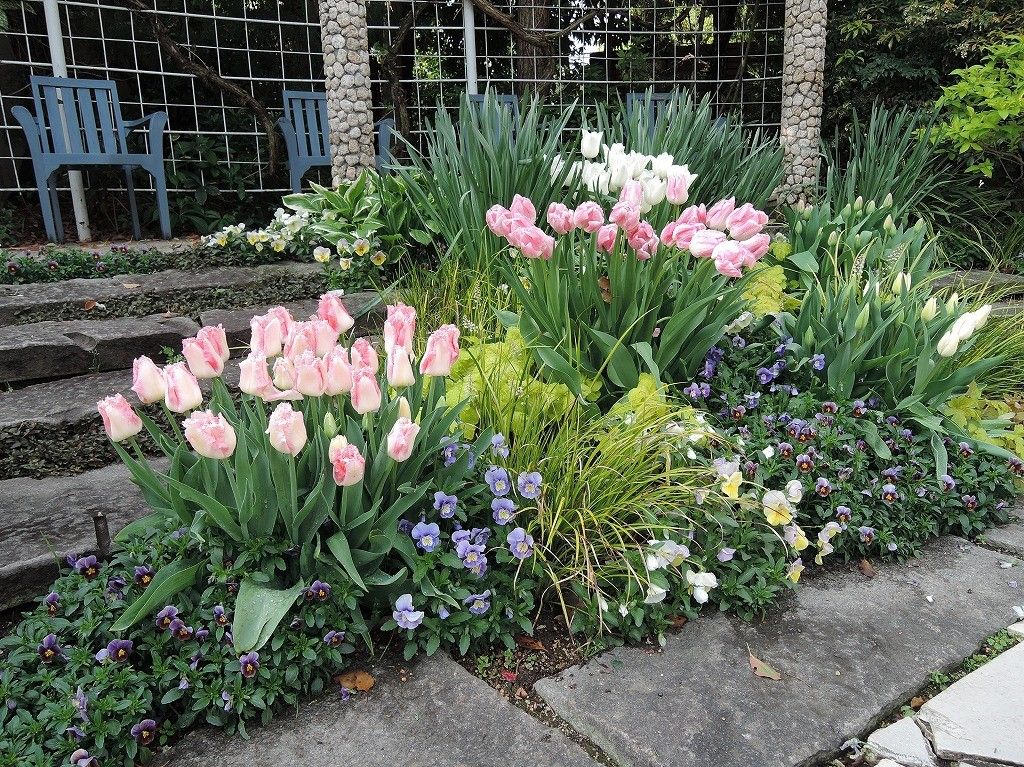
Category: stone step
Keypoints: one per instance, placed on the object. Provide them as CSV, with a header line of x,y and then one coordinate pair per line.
x,y
53,428
46,350
1010,284
848,648
175,291
432,713
45,519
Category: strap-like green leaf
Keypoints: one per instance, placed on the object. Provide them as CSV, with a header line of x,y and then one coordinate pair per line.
x,y
168,581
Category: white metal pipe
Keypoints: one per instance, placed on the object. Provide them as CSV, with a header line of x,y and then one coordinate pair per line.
x,y
469,51
55,38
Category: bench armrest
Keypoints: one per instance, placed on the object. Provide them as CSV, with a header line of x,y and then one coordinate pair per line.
x,y
31,127
157,123
291,141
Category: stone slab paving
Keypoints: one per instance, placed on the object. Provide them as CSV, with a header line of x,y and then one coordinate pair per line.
x,y
124,294
442,716
904,742
1009,538
43,519
980,718
849,649
43,350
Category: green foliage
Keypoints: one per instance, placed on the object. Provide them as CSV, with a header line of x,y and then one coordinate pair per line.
x,y
469,165
177,679
728,160
983,111
217,195
54,263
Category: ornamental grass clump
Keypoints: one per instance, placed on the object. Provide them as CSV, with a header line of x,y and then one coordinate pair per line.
x,y
607,298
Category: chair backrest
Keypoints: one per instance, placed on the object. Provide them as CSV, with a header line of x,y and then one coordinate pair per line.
x,y
508,101
385,133
307,112
657,103
78,117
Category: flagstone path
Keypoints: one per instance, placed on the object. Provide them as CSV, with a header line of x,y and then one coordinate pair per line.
x,y
850,650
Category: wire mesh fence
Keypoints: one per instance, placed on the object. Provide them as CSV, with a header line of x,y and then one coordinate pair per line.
x,y
563,51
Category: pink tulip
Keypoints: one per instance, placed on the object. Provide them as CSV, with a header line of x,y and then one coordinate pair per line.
x,y
746,221
399,327
120,421
210,434
287,430
644,241
267,335
756,247
284,373
442,351
183,393
704,242
399,368
253,377
589,217
333,311
365,392
349,465
681,234
364,356
523,209
326,336
560,218
203,359
606,237
337,372
284,317
147,381
215,337
532,242
309,375
626,215
719,213
729,258
695,214
678,189
402,438
301,338
499,220
632,193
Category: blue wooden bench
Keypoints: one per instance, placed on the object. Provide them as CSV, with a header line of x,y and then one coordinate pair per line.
x,y
307,135
78,125
652,103
507,101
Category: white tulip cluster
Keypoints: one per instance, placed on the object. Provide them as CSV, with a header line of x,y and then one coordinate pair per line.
x,y
964,327
659,175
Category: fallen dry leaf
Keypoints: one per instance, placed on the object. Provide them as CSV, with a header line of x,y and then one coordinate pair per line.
x,y
89,304
527,641
916,702
360,681
867,568
762,669
678,621
509,676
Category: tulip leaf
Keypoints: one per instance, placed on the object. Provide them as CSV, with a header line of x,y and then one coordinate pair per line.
x,y
804,261
220,513
168,581
338,544
258,611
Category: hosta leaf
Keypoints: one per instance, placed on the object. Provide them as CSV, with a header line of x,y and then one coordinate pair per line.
x,y
258,611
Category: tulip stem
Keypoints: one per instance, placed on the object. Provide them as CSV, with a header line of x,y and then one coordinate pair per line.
x,y
172,420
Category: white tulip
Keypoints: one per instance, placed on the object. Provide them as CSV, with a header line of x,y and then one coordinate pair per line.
x,y
948,344
951,304
618,173
662,164
654,191
963,327
901,283
930,309
590,143
981,316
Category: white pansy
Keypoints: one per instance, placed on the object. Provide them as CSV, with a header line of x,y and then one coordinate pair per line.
x,y
794,490
768,452
623,610
655,594
700,584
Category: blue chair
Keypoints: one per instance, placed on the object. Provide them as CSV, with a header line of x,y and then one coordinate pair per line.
x,y
77,126
507,100
654,106
307,135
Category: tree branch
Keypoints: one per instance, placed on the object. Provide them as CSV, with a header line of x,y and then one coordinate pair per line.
x,y
530,36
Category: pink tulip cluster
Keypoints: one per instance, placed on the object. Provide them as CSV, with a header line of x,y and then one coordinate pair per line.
x,y
307,361
730,236
518,225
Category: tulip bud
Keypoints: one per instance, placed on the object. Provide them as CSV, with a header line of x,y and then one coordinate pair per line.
x,y
399,368
590,143
862,318
833,238
889,225
952,303
330,426
901,283
981,316
809,338
871,207
947,345
402,438
858,204
887,202
120,421
148,381
404,411
930,309
183,393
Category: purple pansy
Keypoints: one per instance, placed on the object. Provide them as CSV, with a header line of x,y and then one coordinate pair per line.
x,y
88,566
334,638
427,536
445,504
867,534
52,602
116,651
319,591
823,487
844,514
520,543
180,629
404,614
970,502
144,732
948,483
166,617
219,616
889,493
529,484
478,603
725,554
81,704
497,479
143,575
249,664
503,510
499,445
82,758
818,361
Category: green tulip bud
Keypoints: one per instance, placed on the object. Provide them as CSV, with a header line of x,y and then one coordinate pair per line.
x,y
871,207
858,204
889,225
862,318
930,309
952,303
809,339
330,426
887,202
833,238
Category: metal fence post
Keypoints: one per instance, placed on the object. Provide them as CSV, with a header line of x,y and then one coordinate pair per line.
x,y
347,78
469,52
802,97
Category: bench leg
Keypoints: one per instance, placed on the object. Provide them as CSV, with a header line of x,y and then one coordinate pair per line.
x,y
132,206
161,204
46,203
58,222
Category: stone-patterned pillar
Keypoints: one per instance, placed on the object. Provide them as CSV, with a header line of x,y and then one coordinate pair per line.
x,y
803,84
347,77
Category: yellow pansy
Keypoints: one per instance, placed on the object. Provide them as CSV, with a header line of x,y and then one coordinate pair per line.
x,y
777,509
731,485
795,568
